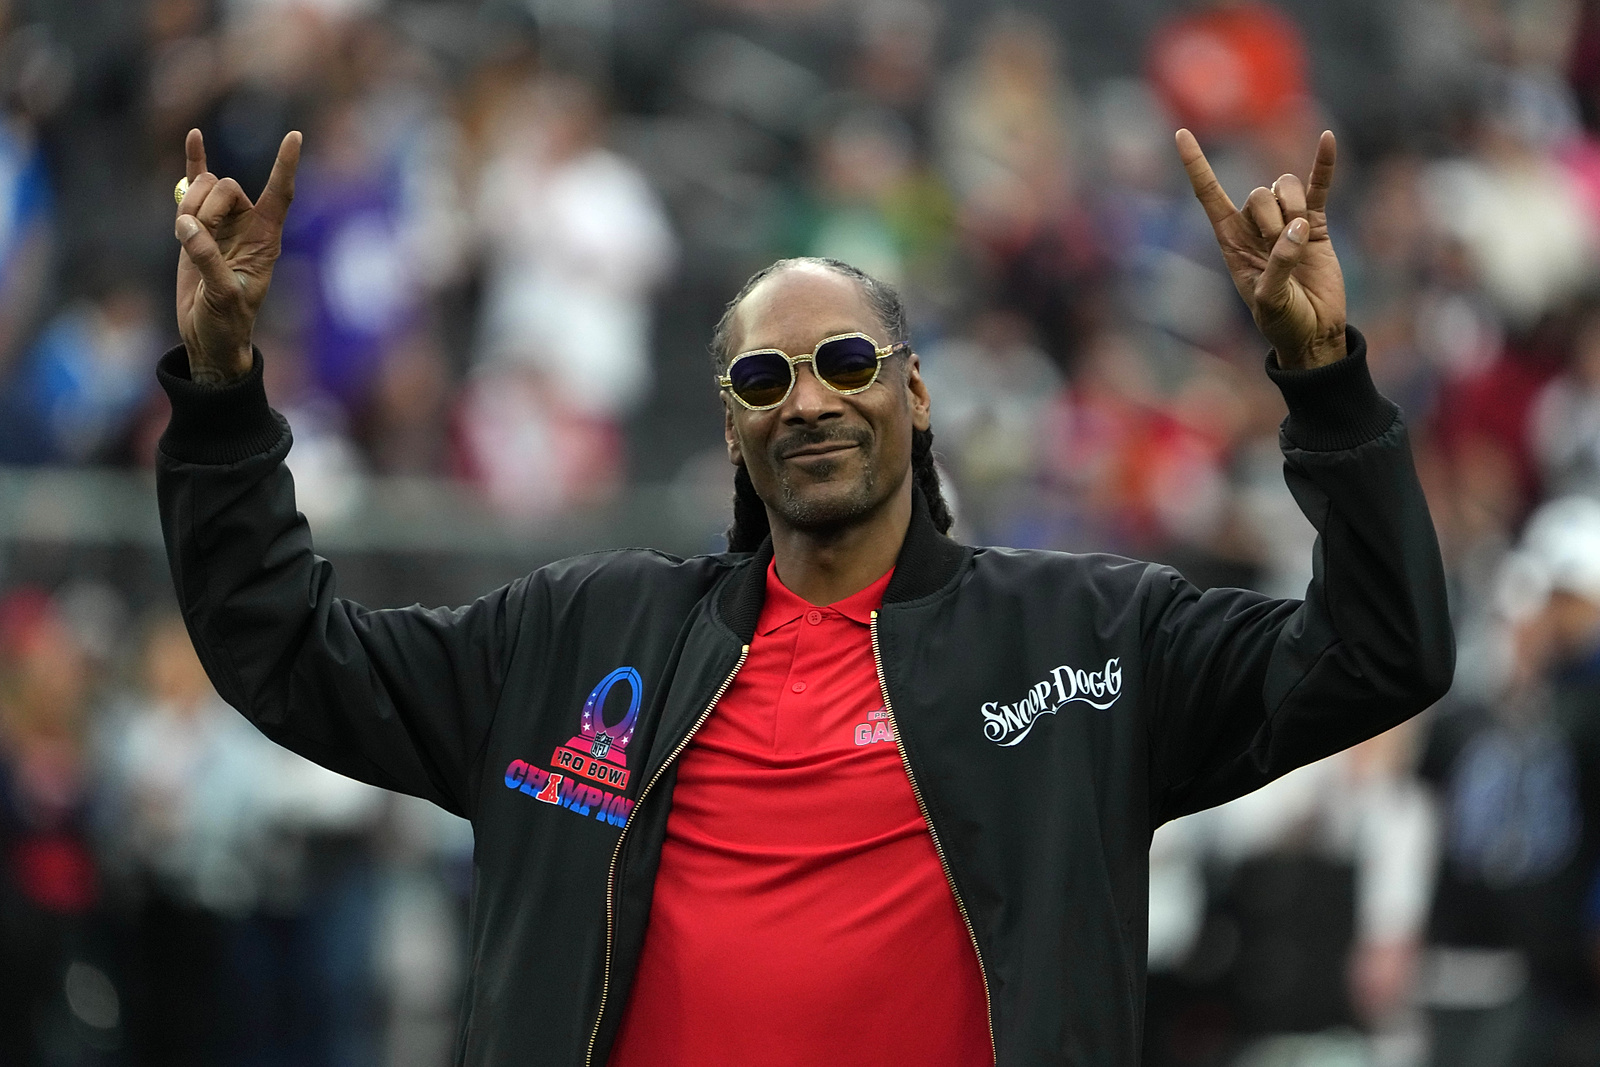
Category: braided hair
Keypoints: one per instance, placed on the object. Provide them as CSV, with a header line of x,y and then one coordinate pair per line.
x,y
750,525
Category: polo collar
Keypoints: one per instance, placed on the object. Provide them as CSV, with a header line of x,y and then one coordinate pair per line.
x,y
928,561
783,606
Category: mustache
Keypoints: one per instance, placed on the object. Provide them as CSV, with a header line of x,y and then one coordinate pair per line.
x,y
795,440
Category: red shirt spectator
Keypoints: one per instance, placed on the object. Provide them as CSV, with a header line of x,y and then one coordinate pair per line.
x,y
1230,68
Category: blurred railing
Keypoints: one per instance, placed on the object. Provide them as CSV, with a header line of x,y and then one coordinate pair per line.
x,y
393,514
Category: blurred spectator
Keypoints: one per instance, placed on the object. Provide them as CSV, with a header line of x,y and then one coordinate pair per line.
x,y
328,468
1146,458
31,80
1006,132
58,1003
576,243
869,202
898,55
1510,975
179,831
1518,213
302,962
251,872
76,394
354,282
1350,839
1565,423
994,388
1229,67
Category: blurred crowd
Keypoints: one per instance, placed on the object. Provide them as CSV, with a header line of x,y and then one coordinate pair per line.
x,y
515,225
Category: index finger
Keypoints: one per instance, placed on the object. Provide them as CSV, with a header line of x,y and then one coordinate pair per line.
x,y
1207,189
273,204
1322,172
194,155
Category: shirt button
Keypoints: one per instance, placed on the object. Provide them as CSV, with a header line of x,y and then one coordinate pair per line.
x,y
813,617
798,687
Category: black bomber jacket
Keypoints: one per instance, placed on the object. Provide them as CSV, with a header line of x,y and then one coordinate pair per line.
x,y
1051,709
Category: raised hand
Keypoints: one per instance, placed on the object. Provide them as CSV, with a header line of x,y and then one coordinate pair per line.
x,y
1279,254
229,248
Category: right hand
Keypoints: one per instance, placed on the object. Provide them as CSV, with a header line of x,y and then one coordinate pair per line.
x,y
229,248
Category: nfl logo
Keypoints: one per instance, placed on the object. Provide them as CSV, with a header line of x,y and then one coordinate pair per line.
x,y
600,745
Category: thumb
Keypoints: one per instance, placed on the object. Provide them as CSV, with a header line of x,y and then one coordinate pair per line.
x,y
1272,288
204,254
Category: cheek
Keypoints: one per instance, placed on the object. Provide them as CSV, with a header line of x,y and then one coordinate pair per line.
x,y
748,438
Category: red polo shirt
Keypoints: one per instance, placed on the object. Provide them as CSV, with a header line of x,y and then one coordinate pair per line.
x,y
801,915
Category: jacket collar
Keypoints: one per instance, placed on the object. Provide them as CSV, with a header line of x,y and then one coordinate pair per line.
x,y
928,560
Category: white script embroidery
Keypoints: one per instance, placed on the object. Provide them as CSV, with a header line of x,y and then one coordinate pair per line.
x,y
1007,724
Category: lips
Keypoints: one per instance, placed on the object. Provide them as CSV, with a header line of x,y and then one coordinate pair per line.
x,y
828,449
812,442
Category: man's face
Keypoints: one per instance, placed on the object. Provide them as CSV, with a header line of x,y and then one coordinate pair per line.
x,y
821,460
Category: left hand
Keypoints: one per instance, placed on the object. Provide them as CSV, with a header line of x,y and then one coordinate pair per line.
x,y
1279,254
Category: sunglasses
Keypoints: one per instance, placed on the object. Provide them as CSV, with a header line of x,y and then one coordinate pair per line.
x,y
846,363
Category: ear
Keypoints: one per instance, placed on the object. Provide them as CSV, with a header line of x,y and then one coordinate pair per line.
x,y
735,454
921,403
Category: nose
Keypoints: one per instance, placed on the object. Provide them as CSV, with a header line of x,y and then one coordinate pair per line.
x,y
810,401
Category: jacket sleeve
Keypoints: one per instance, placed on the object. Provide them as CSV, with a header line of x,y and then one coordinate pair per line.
x,y
1242,688
401,699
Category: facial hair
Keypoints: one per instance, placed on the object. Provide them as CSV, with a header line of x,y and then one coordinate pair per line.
x,y
803,512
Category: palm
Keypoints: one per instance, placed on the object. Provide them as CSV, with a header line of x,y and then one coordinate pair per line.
x,y
1297,302
249,247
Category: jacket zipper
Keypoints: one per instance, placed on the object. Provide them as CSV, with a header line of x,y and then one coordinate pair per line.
x,y
916,791
616,854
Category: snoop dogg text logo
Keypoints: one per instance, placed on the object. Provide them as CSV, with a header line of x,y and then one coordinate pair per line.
x,y
1008,724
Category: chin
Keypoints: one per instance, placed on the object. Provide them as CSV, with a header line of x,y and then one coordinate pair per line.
x,y
822,507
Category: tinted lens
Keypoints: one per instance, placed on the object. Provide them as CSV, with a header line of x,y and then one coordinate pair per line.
x,y
847,363
760,379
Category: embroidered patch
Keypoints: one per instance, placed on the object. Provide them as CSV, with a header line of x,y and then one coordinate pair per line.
x,y
598,752
1008,724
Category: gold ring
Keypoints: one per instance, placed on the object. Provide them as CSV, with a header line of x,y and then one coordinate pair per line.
x,y
181,188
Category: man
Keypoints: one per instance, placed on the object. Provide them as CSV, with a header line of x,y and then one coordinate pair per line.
x,y
851,793
1510,976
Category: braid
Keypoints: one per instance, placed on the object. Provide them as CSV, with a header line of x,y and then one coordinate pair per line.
x,y
927,479
750,524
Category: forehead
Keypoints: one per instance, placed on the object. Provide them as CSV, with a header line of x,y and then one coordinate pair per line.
x,y
797,307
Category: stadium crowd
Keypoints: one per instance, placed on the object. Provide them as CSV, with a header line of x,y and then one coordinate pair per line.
x,y
515,226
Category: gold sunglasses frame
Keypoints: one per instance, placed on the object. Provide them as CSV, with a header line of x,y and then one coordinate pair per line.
x,y
725,380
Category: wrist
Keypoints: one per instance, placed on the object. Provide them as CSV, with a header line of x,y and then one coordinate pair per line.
x,y
1332,407
215,370
216,424
1324,349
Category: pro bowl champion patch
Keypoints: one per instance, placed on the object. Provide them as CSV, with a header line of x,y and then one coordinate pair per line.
x,y
595,757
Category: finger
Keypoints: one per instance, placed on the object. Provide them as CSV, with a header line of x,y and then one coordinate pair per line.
x,y
202,251
194,155
1272,288
279,193
1291,195
1207,189
199,189
225,200
1261,208
1322,173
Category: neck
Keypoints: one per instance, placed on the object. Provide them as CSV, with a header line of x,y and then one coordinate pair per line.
x,y
826,566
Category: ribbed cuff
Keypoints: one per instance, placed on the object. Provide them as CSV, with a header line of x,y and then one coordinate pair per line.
x,y
1336,406
216,424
